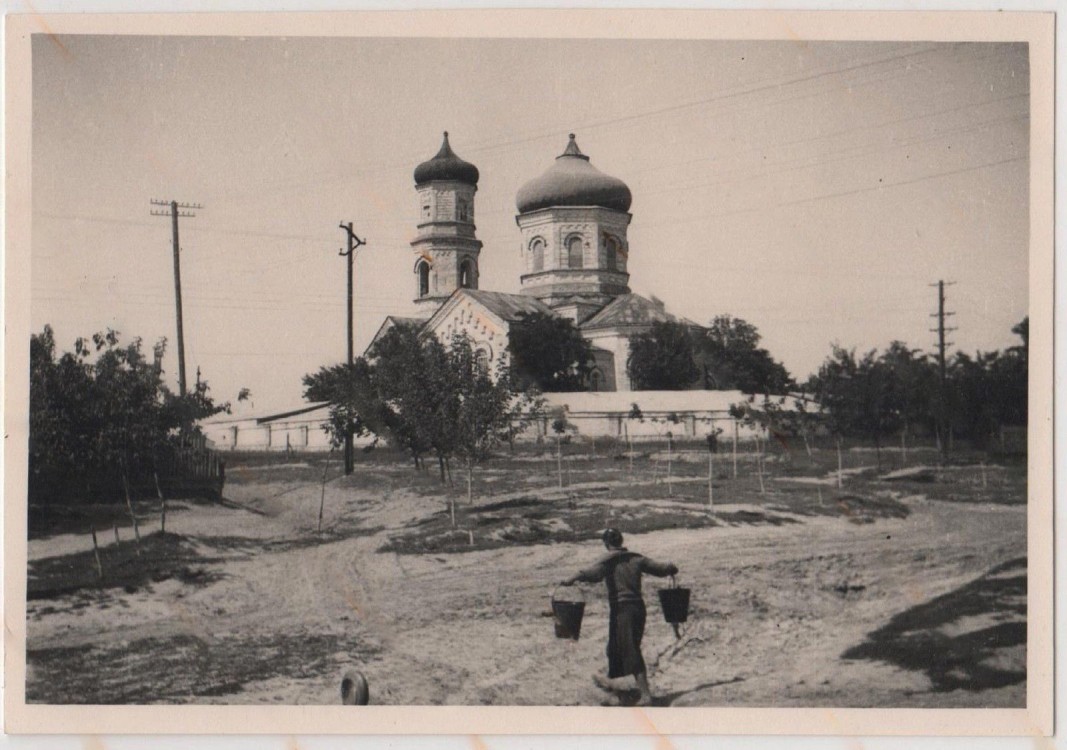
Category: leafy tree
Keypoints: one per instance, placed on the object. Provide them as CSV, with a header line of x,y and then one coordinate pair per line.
x,y
913,386
729,354
1022,329
386,393
972,395
101,414
782,421
857,395
1012,375
549,353
480,412
662,358
424,397
355,406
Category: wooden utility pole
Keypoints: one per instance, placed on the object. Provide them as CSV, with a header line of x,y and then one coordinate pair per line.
x,y
354,243
942,362
176,209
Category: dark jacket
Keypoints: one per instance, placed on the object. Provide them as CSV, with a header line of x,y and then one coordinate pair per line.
x,y
621,570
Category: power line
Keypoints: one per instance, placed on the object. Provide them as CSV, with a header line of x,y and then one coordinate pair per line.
x,y
725,95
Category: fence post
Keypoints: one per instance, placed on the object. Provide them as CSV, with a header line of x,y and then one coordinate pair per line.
x,y
133,517
96,554
162,503
322,498
711,491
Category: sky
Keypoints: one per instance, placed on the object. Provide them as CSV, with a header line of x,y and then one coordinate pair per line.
x,y
814,189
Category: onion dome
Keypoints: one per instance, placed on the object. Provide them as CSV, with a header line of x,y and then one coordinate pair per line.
x,y
446,166
573,181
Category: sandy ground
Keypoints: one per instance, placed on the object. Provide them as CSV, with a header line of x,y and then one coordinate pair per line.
x,y
927,610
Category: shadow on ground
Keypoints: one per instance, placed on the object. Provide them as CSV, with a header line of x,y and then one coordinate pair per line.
x,y
185,667
973,638
627,698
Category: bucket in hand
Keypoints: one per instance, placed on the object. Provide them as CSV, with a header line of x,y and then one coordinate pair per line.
x,y
568,616
675,603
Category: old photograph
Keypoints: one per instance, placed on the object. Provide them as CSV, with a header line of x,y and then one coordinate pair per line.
x,y
557,371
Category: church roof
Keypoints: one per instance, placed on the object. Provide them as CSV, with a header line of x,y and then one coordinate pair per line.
x,y
404,321
573,181
446,166
628,310
391,321
509,307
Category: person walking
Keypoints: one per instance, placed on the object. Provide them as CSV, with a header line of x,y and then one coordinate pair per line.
x,y
621,570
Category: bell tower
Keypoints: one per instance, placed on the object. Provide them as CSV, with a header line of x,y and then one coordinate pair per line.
x,y
446,249
573,220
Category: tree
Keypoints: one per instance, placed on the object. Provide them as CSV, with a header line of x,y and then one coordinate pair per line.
x,y
1012,376
101,415
913,388
424,397
728,353
662,358
388,393
481,412
548,353
355,406
780,419
858,396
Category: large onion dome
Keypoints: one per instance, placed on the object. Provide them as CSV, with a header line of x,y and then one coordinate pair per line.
x,y
446,166
573,181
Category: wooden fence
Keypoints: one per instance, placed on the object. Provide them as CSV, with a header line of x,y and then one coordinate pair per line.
x,y
192,470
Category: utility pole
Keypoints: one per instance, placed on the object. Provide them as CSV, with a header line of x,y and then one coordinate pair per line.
x,y
177,209
942,345
354,243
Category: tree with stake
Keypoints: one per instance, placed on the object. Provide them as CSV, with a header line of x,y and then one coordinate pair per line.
x,y
712,439
670,489
857,395
635,413
485,409
560,425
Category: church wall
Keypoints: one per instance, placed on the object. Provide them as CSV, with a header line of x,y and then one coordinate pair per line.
x,y
556,226
486,332
619,346
605,366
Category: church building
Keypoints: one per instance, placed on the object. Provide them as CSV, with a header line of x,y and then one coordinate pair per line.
x,y
572,222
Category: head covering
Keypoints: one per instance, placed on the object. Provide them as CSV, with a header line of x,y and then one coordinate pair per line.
x,y
612,537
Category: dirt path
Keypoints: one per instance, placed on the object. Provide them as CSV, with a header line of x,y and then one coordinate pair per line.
x,y
775,608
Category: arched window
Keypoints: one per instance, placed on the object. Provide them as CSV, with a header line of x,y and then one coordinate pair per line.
x,y
574,252
466,274
537,251
481,361
424,279
611,254
595,380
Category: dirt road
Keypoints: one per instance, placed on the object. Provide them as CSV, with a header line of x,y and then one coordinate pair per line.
x,y
927,610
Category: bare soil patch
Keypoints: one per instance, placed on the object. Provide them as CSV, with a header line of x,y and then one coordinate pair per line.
x,y
803,594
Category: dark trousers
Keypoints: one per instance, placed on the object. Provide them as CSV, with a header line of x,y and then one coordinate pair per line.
x,y
626,628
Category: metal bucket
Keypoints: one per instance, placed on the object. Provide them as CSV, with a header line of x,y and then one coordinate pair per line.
x,y
675,603
567,616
